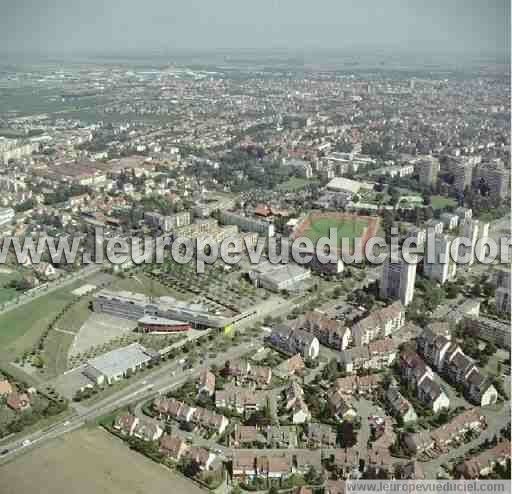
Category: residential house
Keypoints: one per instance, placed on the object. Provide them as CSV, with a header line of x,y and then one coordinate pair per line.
x,y
347,462
238,369
241,400
400,407
204,458
19,402
293,366
434,342
210,420
379,460
320,436
340,405
244,465
469,420
304,459
147,431
281,436
5,388
458,368
353,359
300,412
366,385
379,324
295,404
413,369
292,341
206,383
480,389
170,409
382,353
261,376
347,385
173,447
430,393
418,442
44,270
125,424
335,487
485,462
410,471
442,437
244,435
329,332
274,467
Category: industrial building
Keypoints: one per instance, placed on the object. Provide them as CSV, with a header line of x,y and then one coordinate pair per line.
x,y
117,364
276,277
136,306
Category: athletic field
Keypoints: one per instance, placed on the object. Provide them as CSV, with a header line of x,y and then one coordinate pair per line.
x,y
316,225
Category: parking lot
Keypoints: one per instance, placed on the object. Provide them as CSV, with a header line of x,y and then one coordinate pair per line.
x,y
98,330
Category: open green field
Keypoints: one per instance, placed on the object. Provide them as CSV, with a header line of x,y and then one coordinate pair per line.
x,y
22,327
347,228
440,202
6,293
89,461
296,183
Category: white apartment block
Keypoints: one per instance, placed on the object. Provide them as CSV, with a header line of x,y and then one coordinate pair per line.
x,y
397,282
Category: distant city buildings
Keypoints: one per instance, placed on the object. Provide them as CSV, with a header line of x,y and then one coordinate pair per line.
x,y
427,169
6,216
503,300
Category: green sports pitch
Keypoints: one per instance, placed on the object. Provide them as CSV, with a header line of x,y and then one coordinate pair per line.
x,y
350,228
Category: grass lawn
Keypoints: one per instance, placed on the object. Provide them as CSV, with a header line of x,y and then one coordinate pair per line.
x,y
55,354
21,327
346,229
296,183
7,294
440,202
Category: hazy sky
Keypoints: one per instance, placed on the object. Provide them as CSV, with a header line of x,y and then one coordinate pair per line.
x,y
95,26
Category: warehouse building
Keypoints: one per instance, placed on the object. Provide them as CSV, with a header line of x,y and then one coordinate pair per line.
x,y
117,364
276,277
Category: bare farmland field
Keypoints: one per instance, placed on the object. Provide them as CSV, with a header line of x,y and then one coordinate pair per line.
x,y
89,461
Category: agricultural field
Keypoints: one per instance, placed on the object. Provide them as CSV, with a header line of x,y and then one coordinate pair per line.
x,y
91,461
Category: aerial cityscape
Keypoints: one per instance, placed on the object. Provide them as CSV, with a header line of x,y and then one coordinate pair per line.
x,y
254,248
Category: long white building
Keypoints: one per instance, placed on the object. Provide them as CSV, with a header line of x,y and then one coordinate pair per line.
x,y
135,306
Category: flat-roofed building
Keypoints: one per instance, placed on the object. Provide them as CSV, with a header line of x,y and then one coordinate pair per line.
x,y
247,223
115,365
278,277
136,307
